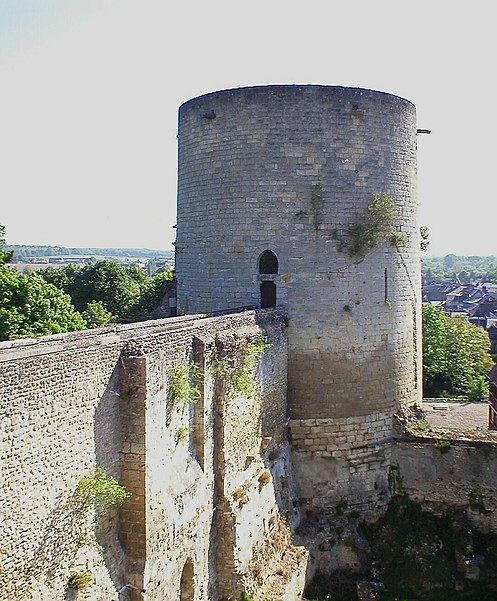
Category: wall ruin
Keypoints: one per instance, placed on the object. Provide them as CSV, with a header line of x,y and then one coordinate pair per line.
x,y
73,401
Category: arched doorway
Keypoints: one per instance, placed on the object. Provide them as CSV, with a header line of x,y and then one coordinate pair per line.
x,y
187,585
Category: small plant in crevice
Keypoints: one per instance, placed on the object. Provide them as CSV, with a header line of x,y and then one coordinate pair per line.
x,y
79,580
476,500
388,303
419,427
398,239
442,444
265,477
240,495
180,389
101,490
244,596
182,434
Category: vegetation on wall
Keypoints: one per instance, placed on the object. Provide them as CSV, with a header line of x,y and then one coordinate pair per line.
x,y
240,375
181,390
100,490
456,356
376,226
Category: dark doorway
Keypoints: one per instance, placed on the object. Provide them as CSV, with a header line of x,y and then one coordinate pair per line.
x,y
268,263
268,295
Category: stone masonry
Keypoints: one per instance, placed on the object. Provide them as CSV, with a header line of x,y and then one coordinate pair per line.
x,y
100,398
292,169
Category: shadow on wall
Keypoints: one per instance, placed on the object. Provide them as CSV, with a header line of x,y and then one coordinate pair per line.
x,y
108,445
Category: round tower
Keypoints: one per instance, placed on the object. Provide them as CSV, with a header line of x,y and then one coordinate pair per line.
x,y
305,196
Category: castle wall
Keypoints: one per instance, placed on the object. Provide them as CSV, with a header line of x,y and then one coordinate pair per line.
x,y
292,169
73,401
464,477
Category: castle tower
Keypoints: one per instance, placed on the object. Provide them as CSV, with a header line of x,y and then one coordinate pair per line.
x,y
283,198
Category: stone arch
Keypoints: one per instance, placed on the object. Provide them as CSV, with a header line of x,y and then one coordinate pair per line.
x,y
268,263
187,583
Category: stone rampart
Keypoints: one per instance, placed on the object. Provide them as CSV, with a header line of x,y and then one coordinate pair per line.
x,y
103,398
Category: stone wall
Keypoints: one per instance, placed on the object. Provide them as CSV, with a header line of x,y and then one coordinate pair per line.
x,y
341,462
71,402
464,477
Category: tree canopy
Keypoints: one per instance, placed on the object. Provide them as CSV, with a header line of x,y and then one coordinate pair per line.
x,y
466,269
456,356
124,291
29,306
5,257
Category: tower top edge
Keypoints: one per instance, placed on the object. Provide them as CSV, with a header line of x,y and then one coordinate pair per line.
x,y
343,91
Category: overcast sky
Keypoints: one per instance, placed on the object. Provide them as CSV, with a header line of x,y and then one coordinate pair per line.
x,y
89,92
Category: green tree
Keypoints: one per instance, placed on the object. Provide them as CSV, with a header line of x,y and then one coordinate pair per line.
x,y
115,286
456,355
125,291
152,293
5,257
96,315
29,306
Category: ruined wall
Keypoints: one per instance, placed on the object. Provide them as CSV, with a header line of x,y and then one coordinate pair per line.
x,y
73,401
464,477
292,169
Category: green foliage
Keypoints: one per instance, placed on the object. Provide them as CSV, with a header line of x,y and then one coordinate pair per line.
x,y
456,355
376,227
29,306
80,580
101,490
442,444
241,377
5,256
467,269
124,291
244,596
420,427
96,315
182,434
180,388
425,241
476,500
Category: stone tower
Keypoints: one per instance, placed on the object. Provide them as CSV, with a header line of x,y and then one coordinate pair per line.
x,y
275,201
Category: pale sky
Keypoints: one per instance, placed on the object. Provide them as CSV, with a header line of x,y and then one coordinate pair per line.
x,y
89,92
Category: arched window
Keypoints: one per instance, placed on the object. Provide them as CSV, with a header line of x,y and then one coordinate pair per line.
x,y
187,586
268,263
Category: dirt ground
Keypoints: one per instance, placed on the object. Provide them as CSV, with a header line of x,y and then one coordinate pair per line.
x,y
457,414
460,417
